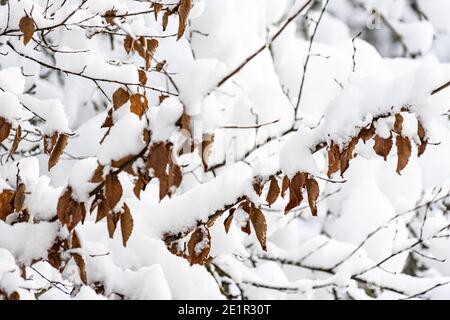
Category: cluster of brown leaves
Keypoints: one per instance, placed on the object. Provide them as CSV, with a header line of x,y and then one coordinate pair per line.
x,y
138,102
146,48
13,201
299,182
5,130
339,160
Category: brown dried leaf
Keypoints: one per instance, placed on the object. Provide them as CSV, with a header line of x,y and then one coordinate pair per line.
x,y
383,146
57,150
108,123
259,223
124,162
163,186
420,131
6,204
158,158
285,185
139,104
423,140
65,203
403,152
126,224
207,145
16,141
199,245
398,125
128,44
75,243
367,133
19,197
97,176
113,190
183,12
26,25
228,220
109,16
334,159
166,19
257,186
142,77
120,97
160,65
347,155
175,176
274,191
102,210
312,188
81,266
156,9
111,220
295,191
5,128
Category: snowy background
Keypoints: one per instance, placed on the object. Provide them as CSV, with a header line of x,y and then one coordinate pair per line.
x,y
151,149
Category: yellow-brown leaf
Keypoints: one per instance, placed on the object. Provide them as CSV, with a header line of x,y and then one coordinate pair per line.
x,y
126,224
183,13
57,150
113,190
383,146
274,191
26,25
403,152
312,188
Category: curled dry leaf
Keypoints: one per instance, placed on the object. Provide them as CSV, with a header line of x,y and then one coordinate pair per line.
x,y
109,16
6,204
398,125
111,220
228,220
285,185
207,144
138,104
102,210
257,185
113,190
199,245
5,128
295,191
57,150
383,146
158,158
19,197
274,191
423,140
347,155
81,266
142,77
183,12
157,7
166,16
128,44
403,152
312,188
259,224
16,141
367,133
126,224
26,25
97,176
334,159
120,97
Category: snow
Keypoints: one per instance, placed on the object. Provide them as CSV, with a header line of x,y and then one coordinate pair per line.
x,y
369,215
